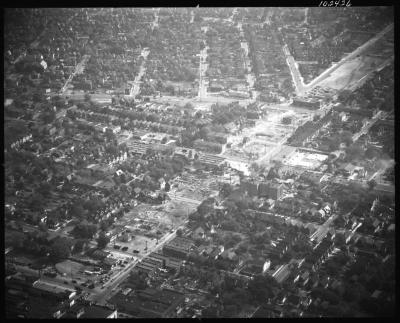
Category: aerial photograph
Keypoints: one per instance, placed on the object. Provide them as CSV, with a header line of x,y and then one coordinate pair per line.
x,y
199,162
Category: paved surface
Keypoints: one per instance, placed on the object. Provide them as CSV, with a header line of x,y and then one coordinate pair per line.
x,y
202,70
100,296
296,76
362,80
350,56
79,68
301,88
135,89
368,125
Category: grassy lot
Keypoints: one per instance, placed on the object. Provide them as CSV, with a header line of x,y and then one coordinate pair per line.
x,y
71,267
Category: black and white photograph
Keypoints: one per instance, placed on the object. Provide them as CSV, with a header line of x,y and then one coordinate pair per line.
x,y
199,162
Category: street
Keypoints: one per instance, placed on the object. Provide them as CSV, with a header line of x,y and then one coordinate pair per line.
x,y
364,130
101,295
202,70
135,89
79,68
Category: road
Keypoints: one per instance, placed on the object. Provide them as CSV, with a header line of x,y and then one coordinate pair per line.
x,y
100,296
191,16
230,19
294,71
350,56
250,77
203,83
178,198
79,68
135,89
301,88
156,17
364,130
58,280
363,79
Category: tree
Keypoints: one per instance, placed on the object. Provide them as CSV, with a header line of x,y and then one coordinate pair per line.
x,y
371,184
42,226
225,190
77,210
44,188
354,152
87,97
79,244
18,239
102,240
138,280
179,233
205,208
228,283
260,287
61,248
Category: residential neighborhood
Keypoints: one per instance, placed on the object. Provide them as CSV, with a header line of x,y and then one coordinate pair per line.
x,y
199,162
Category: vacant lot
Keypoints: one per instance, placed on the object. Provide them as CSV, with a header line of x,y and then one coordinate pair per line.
x,y
350,72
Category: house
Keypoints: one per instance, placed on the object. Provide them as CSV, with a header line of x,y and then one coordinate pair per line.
x,y
229,254
217,251
282,273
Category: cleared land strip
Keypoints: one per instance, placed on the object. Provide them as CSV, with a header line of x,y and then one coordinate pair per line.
x,y
136,83
350,56
301,87
78,70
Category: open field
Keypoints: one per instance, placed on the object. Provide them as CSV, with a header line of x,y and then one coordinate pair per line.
x,y
351,72
80,96
72,268
304,159
138,243
267,136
